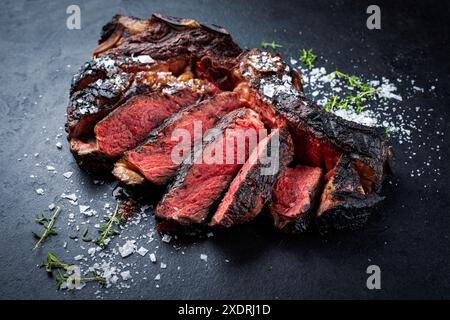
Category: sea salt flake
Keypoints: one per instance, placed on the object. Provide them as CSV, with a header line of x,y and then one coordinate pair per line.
x,y
128,248
158,277
144,59
126,275
142,251
59,145
153,257
78,257
204,257
163,265
67,174
166,238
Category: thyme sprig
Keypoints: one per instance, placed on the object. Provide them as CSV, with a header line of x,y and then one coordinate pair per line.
x,y
108,229
363,92
308,58
62,278
273,45
49,227
53,263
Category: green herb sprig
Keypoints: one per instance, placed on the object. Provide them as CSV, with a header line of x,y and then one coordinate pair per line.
x,y
64,277
53,263
308,58
363,92
49,227
272,45
108,229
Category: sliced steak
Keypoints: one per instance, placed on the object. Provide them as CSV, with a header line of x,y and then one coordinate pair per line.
x,y
132,122
250,190
201,180
295,196
344,203
153,159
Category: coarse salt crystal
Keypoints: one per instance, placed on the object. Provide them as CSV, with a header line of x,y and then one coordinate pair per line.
x,y
128,248
126,275
67,174
142,251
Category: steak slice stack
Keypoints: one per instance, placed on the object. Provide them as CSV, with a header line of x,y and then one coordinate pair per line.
x,y
161,95
154,158
203,178
251,188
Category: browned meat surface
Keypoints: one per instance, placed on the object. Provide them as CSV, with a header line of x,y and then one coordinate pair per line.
x,y
251,188
202,182
295,196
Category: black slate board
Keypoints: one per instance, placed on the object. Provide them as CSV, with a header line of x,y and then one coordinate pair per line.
x,y
408,238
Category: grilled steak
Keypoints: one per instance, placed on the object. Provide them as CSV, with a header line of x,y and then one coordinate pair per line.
x,y
251,188
153,159
295,196
200,180
174,41
150,78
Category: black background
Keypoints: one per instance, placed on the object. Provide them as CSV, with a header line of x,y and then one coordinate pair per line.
x,y
408,238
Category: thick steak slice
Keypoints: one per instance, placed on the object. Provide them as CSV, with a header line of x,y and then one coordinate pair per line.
x,y
153,159
202,178
250,190
132,122
294,198
344,202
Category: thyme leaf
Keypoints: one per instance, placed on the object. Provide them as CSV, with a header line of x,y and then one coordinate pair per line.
x,y
308,58
107,229
273,45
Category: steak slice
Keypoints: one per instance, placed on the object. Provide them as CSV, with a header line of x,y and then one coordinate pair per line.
x,y
344,203
201,180
250,190
153,159
294,198
132,122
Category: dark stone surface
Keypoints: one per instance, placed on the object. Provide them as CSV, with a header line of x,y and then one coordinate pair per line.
x,y
408,239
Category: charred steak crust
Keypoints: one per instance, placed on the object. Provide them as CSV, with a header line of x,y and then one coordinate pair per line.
x,y
344,204
251,190
197,186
